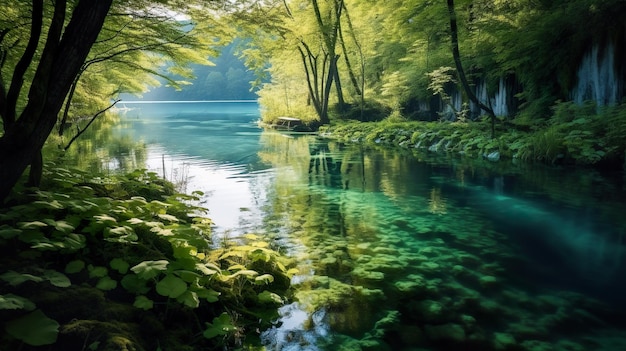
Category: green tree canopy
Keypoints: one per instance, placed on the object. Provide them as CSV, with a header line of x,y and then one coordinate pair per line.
x,y
101,48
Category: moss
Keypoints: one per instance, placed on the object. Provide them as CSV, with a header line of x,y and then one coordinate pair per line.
x,y
107,336
76,301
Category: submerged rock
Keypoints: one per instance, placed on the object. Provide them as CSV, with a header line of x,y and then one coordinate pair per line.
x,y
503,341
445,332
432,311
494,156
488,281
536,345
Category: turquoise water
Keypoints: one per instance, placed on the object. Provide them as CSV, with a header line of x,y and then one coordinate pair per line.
x,y
400,250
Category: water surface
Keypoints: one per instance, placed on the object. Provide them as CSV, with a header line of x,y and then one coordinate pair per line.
x,y
402,250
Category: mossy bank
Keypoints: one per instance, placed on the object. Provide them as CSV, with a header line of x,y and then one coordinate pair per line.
x,y
581,135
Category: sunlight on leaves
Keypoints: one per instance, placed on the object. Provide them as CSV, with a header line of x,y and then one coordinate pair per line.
x,y
208,268
32,225
14,302
264,279
150,269
269,297
189,299
106,219
167,217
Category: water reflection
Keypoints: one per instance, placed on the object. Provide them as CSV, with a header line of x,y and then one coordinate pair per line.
x,y
436,254
401,250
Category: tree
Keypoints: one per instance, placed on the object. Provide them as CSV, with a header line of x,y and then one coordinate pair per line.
x,y
454,38
311,33
133,48
83,53
64,51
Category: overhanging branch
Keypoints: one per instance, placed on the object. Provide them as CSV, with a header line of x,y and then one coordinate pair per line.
x,y
93,118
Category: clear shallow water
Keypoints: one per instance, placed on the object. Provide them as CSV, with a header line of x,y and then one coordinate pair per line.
x,y
399,250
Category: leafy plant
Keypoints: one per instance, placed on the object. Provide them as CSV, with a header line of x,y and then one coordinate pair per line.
x,y
34,329
152,252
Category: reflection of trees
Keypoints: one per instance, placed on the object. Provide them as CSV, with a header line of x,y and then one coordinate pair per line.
x,y
436,203
328,196
100,150
324,170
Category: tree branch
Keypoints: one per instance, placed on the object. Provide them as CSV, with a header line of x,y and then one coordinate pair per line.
x,y
459,67
17,81
93,118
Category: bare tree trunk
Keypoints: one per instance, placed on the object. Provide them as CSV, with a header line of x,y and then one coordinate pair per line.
x,y
353,79
454,36
310,68
329,33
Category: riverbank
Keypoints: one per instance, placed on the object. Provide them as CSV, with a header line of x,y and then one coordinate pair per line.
x,y
124,262
578,135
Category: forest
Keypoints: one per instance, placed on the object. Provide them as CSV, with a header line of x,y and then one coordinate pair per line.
x,y
226,79
520,61
536,80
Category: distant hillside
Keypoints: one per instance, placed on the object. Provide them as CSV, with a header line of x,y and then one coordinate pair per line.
x,y
229,79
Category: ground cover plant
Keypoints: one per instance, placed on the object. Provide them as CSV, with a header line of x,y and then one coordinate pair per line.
x,y
125,263
574,134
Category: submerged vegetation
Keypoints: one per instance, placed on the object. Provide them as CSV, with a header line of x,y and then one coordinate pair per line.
x,y
124,262
96,262
387,264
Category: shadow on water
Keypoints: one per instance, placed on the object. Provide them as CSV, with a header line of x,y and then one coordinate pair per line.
x,y
570,239
560,246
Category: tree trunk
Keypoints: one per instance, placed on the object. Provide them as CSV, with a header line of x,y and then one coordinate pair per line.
x,y
352,75
310,68
454,36
61,60
36,170
341,103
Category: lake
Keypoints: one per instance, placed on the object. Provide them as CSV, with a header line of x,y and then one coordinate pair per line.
x,y
401,249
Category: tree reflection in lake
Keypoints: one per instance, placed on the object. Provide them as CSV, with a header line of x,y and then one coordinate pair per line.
x,y
424,255
402,250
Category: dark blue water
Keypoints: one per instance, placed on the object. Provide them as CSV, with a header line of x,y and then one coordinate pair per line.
x,y
399,250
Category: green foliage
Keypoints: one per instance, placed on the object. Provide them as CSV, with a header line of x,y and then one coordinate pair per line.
x,y
14,302
581,133
34,329
142,244
574,134
221,326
